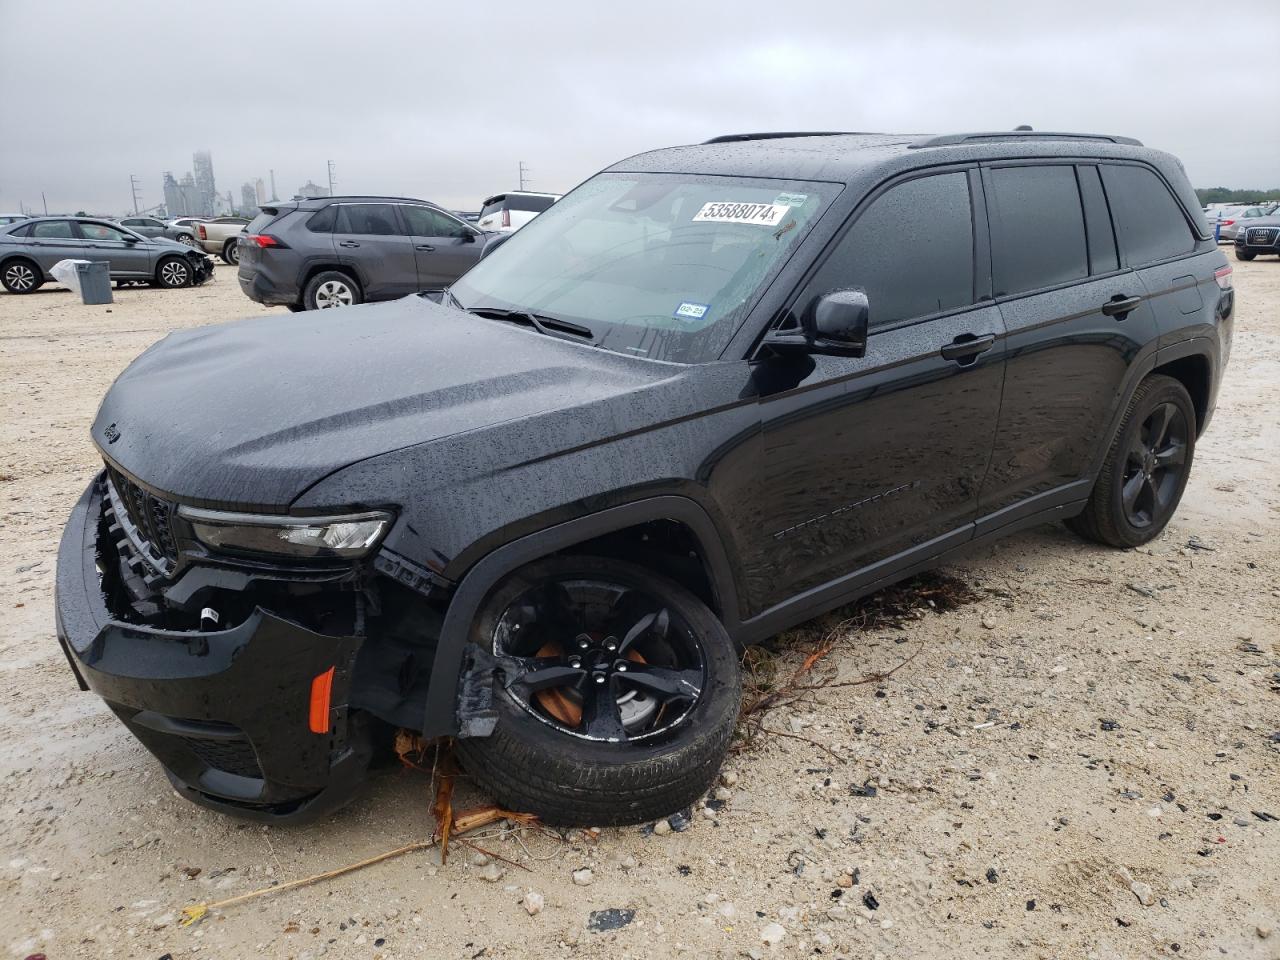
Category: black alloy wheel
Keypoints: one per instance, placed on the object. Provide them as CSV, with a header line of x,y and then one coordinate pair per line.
x,y
1154,466
1146,467
616,691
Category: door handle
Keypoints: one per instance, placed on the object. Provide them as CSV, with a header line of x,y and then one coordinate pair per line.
x,y
1119,306
424,246
348,243
966,347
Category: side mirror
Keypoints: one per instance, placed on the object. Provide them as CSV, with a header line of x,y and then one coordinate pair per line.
x,y
129,239
834,324
469,237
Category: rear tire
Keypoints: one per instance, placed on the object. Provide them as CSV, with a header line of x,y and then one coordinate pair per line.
x,y
231,252
173,272
331,288
21,276
559,767
186,238
1146,469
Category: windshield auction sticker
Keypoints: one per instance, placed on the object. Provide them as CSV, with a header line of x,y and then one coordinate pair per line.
x,y
760,214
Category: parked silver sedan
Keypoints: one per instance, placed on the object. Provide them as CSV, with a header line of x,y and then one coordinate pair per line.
x,y
1232,222
28,250
151,227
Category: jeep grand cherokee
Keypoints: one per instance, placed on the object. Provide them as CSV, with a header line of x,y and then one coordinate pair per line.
x,y
714,391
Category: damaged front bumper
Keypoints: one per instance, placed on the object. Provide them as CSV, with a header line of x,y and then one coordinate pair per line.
x,y
252,719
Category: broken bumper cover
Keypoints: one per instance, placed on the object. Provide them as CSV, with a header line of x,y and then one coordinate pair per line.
x,y
229,713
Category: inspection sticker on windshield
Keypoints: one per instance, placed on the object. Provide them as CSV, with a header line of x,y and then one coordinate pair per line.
x,y
691,311
761,214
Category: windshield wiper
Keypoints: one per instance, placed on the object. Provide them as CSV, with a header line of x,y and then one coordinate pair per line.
x,y
551,326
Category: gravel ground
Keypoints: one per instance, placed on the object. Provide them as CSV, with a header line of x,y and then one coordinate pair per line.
x,y
1080,763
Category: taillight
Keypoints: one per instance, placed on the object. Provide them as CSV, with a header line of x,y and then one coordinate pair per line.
x,y
506,218
266,240
201,230
1223,276
1226,223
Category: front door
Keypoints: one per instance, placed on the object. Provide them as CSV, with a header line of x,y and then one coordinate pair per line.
x,y
369,238
445,248
127,255
874,462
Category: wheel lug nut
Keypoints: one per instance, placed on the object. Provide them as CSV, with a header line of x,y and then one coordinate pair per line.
x,y
583,644
600,678
575,662
622,667
611,645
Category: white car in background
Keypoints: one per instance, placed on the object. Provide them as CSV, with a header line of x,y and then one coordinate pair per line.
x,y
508,212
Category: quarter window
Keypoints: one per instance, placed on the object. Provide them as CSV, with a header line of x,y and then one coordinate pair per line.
x,y
375,219
1149,221
1037,228
911,250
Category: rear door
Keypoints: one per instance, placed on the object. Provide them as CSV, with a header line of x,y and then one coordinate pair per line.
x,y
1076,319
1157,241
870,460
370,239
54,240
444,247
127,255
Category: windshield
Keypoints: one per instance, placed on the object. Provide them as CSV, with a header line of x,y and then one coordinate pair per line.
x,y
663,266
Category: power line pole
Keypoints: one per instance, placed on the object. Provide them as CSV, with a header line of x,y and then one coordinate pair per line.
x,y
330,165
523,170
133,185
45,202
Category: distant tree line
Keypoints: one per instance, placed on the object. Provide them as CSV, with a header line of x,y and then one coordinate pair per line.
x,y
1226,195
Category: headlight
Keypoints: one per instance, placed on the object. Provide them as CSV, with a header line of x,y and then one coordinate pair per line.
x,y
319,537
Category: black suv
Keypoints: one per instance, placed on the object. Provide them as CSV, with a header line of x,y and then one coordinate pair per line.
x,y
1259,238
713,392
339,251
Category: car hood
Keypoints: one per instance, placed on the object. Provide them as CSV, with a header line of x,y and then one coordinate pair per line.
x,y
250,414
166,244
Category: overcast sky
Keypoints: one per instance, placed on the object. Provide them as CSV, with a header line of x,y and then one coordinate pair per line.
x,y
442,100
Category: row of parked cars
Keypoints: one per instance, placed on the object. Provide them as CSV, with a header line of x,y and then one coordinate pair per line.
x,y
303,254
1230,219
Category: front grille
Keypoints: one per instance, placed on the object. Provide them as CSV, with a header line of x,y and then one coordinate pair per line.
x,y
1260,238
230,756
148,520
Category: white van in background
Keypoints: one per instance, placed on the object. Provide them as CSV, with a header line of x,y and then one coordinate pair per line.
x,y
508,212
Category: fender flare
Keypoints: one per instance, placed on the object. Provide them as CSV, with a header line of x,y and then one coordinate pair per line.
x,y
442,691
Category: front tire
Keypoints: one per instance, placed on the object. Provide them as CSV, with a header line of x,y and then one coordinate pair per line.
x,y
332,288
21,276
1244,255
617,693
173,272
1146,468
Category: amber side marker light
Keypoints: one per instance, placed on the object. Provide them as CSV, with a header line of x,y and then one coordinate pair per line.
x,y
321,688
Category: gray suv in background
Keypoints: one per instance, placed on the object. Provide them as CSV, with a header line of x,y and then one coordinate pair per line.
x,y
338,251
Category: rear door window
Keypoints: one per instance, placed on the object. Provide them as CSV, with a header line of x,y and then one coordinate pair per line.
x,y
1037,228
1149,222
53,230
911,250
370,219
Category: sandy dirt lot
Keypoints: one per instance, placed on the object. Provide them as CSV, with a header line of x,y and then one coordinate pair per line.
x,y
1082,763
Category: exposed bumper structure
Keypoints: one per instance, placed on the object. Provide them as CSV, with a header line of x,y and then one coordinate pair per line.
x,y
247,720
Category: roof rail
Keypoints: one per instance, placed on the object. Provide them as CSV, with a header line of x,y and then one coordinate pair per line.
x,y
739,137
950,139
